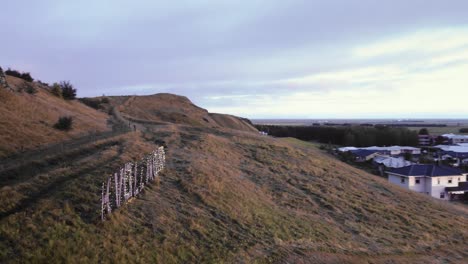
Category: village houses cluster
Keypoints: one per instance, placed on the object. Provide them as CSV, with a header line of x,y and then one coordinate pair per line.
x,y
432,170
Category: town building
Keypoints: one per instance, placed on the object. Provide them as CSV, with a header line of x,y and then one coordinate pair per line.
x,y
458,152
436,181
425,140
391,162
368,153
455,139
363,155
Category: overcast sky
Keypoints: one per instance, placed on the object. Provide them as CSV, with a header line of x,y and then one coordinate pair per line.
x,y
256,58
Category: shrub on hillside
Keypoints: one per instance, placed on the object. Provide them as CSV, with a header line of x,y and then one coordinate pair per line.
x,y
23,75
463,130
42,83
64,123
95,103
92,102
28,87
56,90
68,91
105,100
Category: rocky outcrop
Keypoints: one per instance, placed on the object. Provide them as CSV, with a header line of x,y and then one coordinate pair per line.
x,y
3,81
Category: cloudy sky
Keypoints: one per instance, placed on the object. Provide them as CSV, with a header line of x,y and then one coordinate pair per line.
x,y
256,58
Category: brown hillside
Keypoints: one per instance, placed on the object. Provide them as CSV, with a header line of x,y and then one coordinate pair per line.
x,y
26,120
170,108
233,122
225,196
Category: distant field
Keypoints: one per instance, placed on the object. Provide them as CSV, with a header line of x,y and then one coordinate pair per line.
x,y
452,125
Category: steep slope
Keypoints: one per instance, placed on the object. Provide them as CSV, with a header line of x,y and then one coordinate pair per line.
x,y
170,108
227,196
232,122
26,120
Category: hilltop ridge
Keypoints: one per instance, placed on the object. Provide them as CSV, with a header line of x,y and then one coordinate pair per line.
x,y
171,108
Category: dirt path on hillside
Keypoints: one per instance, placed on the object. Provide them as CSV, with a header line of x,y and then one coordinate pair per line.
x,y
131,124
20,159
47,189
120,126
134,123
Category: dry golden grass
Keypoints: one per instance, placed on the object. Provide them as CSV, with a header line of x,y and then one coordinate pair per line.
x,y
233,122
226,196
169,108
26,121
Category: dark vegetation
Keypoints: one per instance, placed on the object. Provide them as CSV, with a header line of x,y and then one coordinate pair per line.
x,y
68,91
463,130
28,88
56,90
23,75
64,123
423,131
414,125
359,136
96,103
42,83
398,124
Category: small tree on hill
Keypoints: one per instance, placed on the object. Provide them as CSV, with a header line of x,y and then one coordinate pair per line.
x,y
105,100
68,92
23,75
28,87
64,123
56,90
423,131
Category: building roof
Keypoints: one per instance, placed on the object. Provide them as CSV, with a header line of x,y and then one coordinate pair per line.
x,y
390,148
454,154
392,162
363,152
426,170
375,148
460,148
345,149
454,136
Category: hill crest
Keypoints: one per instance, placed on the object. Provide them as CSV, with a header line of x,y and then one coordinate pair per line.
x,y
171,108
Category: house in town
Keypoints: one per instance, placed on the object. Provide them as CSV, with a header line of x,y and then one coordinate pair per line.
x,y
455,139
457,152
363,155
434,180
425,140
367,153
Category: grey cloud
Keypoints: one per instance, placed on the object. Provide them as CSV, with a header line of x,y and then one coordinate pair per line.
x,y
204,48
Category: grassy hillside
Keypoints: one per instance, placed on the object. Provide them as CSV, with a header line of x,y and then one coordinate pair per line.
x,y
232,122
226,196
169,108
26,120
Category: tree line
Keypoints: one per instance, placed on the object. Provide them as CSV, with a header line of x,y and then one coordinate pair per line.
x,y
358,136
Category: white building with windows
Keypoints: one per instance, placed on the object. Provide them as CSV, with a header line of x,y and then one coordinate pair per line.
x,y
436,181
391,150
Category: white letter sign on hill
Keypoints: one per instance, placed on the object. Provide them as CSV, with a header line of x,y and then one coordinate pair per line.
x,y
130,180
